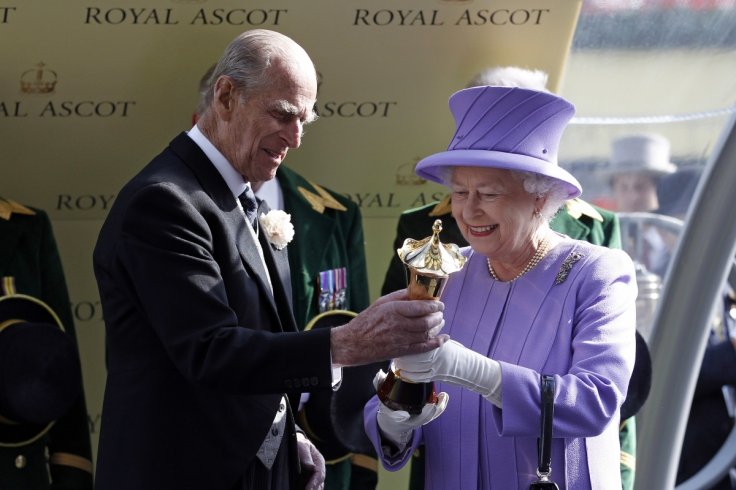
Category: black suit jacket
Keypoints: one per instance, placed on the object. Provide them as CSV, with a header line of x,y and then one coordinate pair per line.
x,y
199,350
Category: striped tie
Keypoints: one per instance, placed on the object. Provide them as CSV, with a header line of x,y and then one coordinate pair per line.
x,y
250,206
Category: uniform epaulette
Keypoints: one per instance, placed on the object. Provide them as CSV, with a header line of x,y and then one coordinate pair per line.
x,y
577,208
442,208
321,200
627,460
8,207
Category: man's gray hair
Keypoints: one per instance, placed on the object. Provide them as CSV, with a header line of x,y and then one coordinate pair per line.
x,y
205,87
247,58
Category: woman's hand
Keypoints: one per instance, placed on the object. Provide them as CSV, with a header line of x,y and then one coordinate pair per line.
x,y
454,363
397,426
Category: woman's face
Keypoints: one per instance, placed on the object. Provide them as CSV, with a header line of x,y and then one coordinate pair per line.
x,y
494,212
636,191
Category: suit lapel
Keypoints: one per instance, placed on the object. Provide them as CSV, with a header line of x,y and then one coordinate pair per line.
x,y
215,187
277,262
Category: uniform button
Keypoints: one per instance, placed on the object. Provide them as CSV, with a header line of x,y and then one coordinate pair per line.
x,y
20,461
315,380
282,407
305,381
275,431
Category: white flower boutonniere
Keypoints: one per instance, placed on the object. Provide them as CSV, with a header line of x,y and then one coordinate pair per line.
x,y
278,228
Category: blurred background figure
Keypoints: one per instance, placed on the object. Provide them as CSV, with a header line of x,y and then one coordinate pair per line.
x,y
674,193
637,163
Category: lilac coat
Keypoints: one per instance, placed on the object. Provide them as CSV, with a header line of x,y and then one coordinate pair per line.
x,y
573,316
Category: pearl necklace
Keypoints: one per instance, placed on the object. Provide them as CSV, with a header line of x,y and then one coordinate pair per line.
x,y
538,255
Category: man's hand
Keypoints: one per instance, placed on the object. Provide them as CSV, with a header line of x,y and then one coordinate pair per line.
x,y
311,462
392,326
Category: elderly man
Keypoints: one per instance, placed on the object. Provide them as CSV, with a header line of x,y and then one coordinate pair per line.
x,y
205,360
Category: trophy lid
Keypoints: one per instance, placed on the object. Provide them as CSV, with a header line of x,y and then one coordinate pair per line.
x,y
429,256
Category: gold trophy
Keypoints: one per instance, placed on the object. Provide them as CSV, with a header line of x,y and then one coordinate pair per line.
x,y
428,264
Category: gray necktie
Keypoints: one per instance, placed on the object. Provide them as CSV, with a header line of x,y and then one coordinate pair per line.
x,y
250,206
270,446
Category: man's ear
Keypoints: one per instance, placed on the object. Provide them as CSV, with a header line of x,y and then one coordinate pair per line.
x,y
225,97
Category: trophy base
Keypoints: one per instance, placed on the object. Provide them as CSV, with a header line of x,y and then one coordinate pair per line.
x,y
401,394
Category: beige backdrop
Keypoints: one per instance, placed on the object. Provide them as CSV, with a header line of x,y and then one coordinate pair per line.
x,y
90,91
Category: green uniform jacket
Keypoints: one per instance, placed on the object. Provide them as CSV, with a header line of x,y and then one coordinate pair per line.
x,y
578,220
322,241
28,253
326,240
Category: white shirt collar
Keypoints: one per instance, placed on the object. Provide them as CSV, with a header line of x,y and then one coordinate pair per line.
x,y
233,179
271,192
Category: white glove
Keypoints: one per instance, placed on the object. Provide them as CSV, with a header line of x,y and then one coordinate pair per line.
x,y
398,425
456,364
311,460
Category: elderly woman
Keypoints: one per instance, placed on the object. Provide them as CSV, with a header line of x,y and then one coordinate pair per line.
x,y
529,301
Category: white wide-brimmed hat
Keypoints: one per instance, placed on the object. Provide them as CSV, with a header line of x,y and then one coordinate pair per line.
x,y
645,152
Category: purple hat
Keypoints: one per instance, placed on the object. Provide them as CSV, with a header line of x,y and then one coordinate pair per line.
x,y
505,127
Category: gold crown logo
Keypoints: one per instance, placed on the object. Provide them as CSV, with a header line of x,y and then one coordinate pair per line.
x,y
38,80
405,174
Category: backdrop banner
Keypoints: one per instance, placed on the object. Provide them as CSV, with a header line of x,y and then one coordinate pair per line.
x,y
90,91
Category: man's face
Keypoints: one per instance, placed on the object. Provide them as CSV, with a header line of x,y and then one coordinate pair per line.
x,y
635,192
262,128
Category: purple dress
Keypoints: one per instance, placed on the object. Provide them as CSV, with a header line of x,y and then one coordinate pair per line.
x,y
572,316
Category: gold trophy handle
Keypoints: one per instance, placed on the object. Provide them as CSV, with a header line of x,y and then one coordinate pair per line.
x,y
428,264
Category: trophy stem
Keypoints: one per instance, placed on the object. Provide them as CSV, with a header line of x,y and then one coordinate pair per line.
x,y
401,394
428,263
